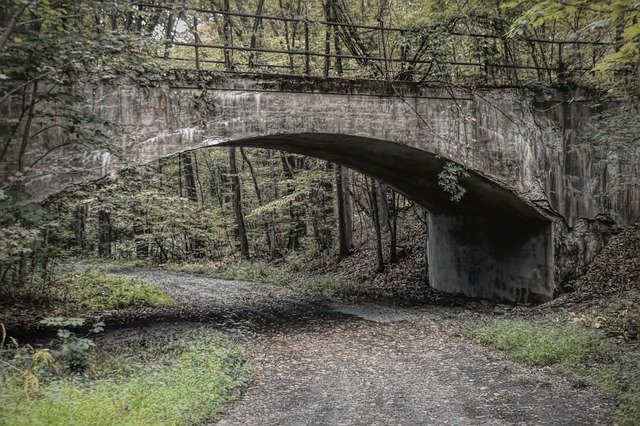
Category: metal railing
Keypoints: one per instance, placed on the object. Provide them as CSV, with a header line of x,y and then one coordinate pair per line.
x,y
209,39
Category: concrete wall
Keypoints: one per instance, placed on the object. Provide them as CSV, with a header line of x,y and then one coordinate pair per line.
x,y
481,257
516,145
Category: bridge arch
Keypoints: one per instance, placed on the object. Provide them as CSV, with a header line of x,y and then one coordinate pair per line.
x,y
402,133
491,243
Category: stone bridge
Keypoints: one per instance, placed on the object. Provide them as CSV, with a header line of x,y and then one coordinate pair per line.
x,y
534,209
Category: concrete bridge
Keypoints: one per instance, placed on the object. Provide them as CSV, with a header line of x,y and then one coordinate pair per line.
x,y
534,209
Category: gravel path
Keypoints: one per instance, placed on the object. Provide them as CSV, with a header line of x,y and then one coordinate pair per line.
x,y
332,363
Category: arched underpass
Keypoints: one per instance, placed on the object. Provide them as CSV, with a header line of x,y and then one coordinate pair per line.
x,y
493,243
490,243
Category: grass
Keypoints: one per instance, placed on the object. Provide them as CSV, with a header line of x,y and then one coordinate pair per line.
x,y
261,272
186,383
94,290
540,343
574,350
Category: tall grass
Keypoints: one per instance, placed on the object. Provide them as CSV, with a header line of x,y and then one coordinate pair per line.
x,y
261,272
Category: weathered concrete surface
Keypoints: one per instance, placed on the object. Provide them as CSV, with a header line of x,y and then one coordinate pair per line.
x,y
483,257
516,145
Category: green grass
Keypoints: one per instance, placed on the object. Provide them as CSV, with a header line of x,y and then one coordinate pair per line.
x,y
261,272
540,343
94,290
573,350
186,384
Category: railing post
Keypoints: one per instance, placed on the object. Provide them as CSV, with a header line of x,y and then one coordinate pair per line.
x,y
383,46
327,50
403,55
227,34
306,47
196,37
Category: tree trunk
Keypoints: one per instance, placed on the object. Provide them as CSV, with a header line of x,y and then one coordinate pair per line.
x,y
198,247
241,231
345,213
392,221
104,234
189,176
80,228
375,213
298,228
267,228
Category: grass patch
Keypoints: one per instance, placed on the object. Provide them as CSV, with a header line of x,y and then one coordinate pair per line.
x,y
186,383
540,343
261,272
574,350
94,290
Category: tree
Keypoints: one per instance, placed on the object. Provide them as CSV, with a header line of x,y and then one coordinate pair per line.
x,y
241,231
345,214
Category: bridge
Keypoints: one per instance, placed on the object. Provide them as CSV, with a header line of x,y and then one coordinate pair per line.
x,y
533,206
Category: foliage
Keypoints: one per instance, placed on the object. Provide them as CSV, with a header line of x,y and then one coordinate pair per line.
x,y
77,352
614,21
25,366
26,258
94,290
183,382
46,48
449,178
542,343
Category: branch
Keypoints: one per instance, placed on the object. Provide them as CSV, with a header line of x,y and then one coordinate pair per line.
x,y
12,25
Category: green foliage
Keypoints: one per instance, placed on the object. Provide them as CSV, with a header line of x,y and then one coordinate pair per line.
x,y
26,258
613,21
94,290
182,382
448,179
23,365
540,343
77,352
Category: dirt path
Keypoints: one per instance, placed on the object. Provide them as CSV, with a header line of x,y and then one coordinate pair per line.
x,y
332,363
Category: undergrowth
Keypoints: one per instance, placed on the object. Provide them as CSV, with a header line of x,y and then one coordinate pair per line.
x,y
576,351
183,382
94,290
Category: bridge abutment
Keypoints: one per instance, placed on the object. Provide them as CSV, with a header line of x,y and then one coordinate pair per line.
x,y
487,258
